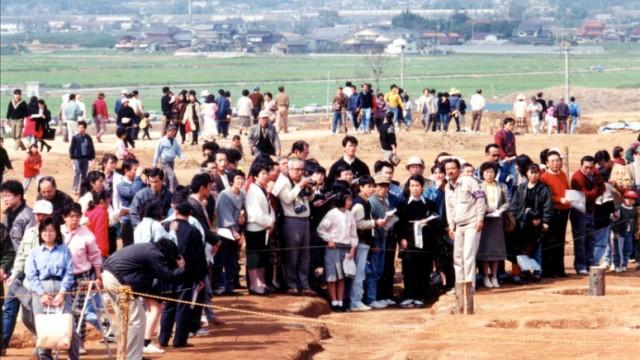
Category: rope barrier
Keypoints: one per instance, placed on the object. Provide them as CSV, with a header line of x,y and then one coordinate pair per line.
x,y
125,292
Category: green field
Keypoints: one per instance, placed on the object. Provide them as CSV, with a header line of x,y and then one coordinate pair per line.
x,y
306,76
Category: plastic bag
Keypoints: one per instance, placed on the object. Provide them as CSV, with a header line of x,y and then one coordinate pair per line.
x,y
349,266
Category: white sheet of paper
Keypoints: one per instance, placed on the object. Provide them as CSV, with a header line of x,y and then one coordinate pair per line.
x,y
225,233
527,264
495,214
577,199
390,222
417,234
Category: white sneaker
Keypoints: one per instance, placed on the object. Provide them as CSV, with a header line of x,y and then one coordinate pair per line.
x,y
378,304
494,282
152,349
361,307
487,282
418,303
583,272
389,302
612,267
201,332
406,303
623,268
618,269
82,350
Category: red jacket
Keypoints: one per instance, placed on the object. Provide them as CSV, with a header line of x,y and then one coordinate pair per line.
x,y
99,226
32,165
100,109
506,141
591,188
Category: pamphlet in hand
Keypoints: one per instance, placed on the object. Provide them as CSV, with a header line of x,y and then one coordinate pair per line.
x,y
494,214
418,225
225,233
577,200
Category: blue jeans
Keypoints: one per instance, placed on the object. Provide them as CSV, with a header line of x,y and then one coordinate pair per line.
x,y
396,114
336,122
80,172
373,271
443,122
574,124
365,123
601,243
356,286
582,228
407,119
622,248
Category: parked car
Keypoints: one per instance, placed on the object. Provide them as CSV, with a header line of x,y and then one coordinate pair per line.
x,y
70,86
311,108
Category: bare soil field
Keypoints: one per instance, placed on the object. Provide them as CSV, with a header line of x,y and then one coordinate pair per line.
x,y
549,320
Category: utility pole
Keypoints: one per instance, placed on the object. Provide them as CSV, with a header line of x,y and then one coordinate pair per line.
x,y
566,71
327,101
402,65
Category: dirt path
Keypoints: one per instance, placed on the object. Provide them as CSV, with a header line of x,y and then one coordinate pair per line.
x,y
533,311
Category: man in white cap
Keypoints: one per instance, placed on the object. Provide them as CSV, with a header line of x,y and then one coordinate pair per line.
x,y
16,283
118,104
263,137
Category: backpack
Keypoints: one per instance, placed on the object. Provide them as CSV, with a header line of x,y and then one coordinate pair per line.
x,y
573,109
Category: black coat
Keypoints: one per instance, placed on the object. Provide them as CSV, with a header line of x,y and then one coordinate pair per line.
x,y
191,247
543,208
198,212
358,167
76,150
17,111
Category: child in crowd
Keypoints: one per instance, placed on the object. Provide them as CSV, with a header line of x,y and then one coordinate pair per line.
x,y
550,118
628,223
145,125
338,229
32,165
122,151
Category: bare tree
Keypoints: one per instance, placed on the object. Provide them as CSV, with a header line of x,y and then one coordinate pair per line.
x,y
376,62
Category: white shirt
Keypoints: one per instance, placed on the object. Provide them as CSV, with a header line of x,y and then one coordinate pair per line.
x,y
520,109
339,227
289,197
477,102
245,106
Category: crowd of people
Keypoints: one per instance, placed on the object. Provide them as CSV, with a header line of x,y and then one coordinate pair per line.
x,y
302,229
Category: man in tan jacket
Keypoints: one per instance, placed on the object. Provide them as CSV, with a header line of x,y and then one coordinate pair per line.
x,y
282,102
466,207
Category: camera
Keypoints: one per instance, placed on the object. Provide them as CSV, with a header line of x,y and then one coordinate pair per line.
x,y
299,208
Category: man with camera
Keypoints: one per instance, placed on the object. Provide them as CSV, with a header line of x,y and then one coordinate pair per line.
x,y
294,192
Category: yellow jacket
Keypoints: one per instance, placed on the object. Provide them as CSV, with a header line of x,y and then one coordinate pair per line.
x,y
393,100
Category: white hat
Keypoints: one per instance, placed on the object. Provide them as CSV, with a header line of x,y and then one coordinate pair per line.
x,y
454,91
521,97
204,93
43,207
414,160
124,91
264,114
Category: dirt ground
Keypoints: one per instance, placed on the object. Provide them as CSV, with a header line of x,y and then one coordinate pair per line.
x,y
551,319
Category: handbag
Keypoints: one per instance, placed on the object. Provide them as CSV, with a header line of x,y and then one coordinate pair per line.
x,y
49,134
54,330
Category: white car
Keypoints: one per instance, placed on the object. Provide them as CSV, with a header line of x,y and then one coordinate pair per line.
x,y
311,108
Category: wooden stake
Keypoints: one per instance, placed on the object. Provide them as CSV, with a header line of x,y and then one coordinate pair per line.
x,y
124,296
468,297
459,298
596,281
566,161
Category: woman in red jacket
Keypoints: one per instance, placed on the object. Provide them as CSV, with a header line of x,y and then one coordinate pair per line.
x,y
32,165
98,215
